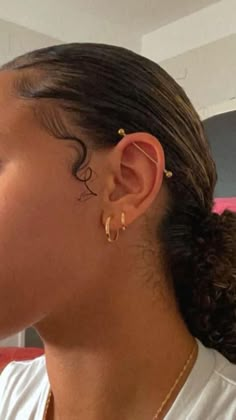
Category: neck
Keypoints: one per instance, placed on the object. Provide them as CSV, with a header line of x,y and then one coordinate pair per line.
x,y
118,366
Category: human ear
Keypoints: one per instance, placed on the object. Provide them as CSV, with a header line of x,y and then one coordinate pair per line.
x,y
138,166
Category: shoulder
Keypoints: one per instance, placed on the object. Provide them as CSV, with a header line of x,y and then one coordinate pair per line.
x,y
23,384
225,371
17,372
210,390
217,399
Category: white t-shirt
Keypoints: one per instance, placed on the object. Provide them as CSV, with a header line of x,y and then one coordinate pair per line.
x,y
208,394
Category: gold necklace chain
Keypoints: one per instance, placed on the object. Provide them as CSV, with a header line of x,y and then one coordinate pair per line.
x,y
47,405
165,401
167,398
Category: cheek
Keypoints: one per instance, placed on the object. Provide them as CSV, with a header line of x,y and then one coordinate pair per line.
x,y
48,239
37,234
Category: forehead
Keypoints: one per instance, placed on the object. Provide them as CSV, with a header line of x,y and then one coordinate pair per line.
x,y
15,114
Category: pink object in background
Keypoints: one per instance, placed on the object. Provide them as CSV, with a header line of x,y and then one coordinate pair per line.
x,y
222,204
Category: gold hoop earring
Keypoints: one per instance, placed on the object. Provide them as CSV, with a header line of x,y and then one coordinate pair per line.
x,y
108,231
123,224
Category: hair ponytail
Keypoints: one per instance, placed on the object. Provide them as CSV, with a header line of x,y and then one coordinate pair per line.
x,y
202,256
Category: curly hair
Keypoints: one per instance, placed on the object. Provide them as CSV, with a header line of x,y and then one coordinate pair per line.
x,y
100,88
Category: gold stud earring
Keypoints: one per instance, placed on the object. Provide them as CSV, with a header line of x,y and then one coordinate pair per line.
x,y
121,132
167,173
108,231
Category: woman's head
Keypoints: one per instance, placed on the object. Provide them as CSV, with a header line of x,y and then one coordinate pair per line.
x,y
71,170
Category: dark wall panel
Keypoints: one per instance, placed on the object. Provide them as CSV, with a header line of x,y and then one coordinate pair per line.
x,y
221,131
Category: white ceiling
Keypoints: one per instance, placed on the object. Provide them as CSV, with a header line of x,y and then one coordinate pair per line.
x,y
117,22
145,14
55,17
207,73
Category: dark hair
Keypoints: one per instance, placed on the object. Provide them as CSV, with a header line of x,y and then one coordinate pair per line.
x,y
99,89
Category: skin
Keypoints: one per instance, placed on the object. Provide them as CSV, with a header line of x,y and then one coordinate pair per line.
x,y
114,343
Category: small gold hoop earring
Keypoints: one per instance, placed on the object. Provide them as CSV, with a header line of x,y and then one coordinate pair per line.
x,y
108,232
123,224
